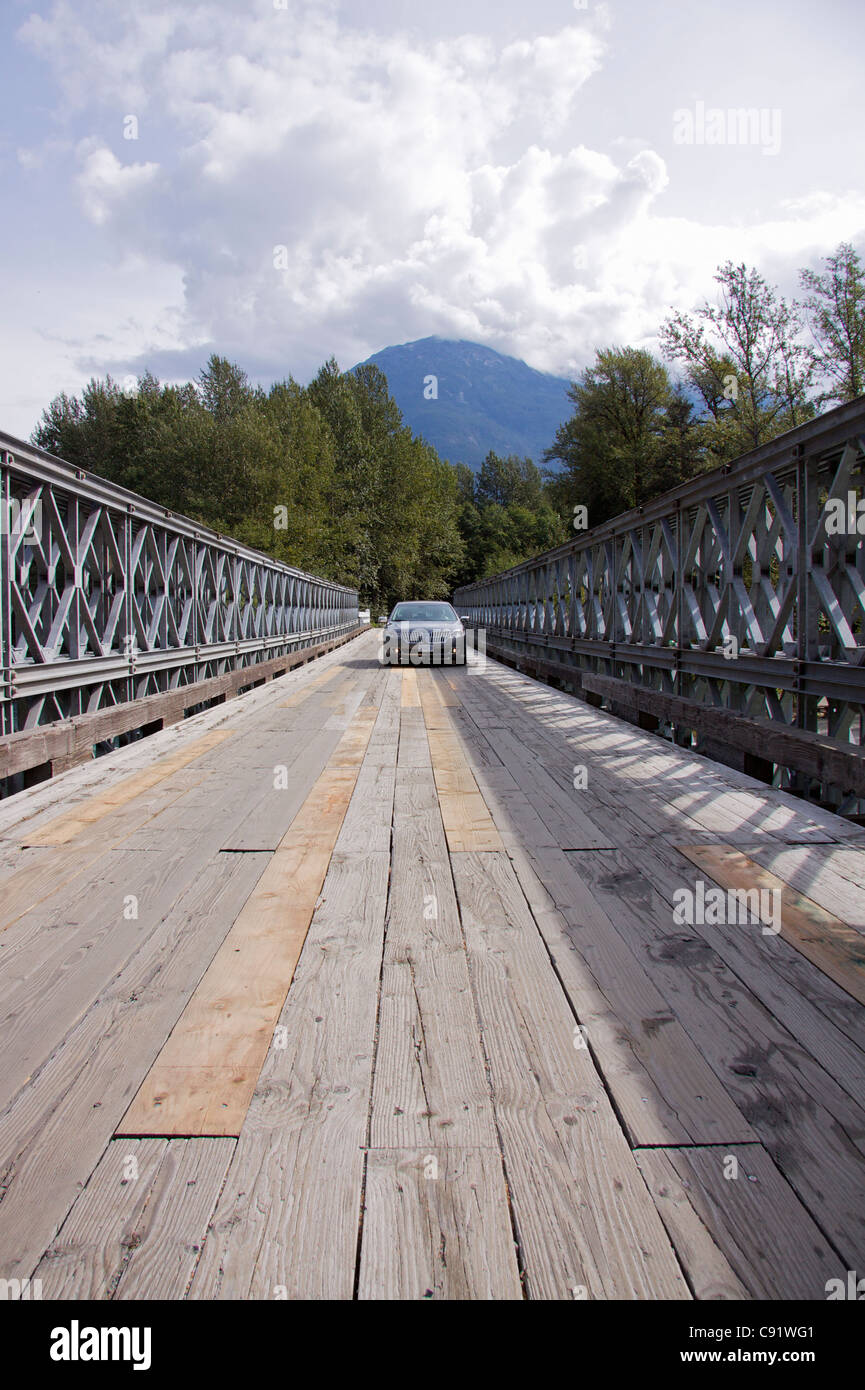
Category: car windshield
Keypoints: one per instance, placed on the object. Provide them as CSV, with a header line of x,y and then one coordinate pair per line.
x,y
423,613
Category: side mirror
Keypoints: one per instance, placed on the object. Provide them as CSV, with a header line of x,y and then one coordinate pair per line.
x,y
464,618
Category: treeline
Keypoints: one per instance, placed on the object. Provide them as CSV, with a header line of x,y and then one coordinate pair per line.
x,y
749,367
328,478
325,477
507,514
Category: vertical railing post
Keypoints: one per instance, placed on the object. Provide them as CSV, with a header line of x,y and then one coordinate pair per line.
x,y
129,637
8,703
679,596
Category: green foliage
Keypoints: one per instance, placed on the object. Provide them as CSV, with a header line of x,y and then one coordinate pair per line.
x,y
836,314
326,477
635,432
632,435
506,515
745,358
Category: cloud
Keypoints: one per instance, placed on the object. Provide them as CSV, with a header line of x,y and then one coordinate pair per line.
x,y
417,186
105,183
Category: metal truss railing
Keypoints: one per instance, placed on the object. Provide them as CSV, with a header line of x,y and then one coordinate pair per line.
x,y
743,589
108,598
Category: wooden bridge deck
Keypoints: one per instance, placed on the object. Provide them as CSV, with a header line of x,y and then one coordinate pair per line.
x,y
345,990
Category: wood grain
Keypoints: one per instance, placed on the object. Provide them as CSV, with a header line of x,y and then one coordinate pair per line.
x,y
204,1077
834,947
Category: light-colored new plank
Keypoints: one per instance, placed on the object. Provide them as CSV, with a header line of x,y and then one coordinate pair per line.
x,y
289,1214
834,947
203,1079
465,815
410,693
67,826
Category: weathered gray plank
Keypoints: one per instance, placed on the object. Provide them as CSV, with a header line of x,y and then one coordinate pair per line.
x,y
583,1216
436,1225
664,1090
138,1227
742,1236
288,1216
53,1135
813,1129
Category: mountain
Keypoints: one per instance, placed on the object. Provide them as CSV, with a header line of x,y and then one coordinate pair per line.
x,y
485,399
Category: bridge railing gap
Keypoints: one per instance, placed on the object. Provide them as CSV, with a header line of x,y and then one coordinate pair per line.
x,y
113,609
727,614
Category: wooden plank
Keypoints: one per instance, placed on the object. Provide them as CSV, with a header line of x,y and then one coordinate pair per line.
x,y
443,689
792,989
821,872
67,826
430,1080
583,1216
806,1119
57,958
465,815
55,1132
137,1229
303,753
334,677
817,756
663,1088
613,801
834,947
367,824
436,1225
40,879
289,1214
516,818
538,766
851,863
88,1256
746,1236
410,697
203,1080
801,820
176,1219
55,963
616,748
69,743
826,1022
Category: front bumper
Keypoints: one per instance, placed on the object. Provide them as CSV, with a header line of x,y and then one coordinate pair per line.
x,y
436,649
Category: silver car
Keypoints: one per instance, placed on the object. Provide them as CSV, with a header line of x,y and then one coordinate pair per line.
x,y
425,631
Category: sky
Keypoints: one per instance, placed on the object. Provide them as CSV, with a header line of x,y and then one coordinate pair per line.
x,y
283,182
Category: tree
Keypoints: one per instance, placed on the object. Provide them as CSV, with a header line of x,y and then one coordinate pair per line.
x,y
224,388
836,315
615,447
744,357
509,480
